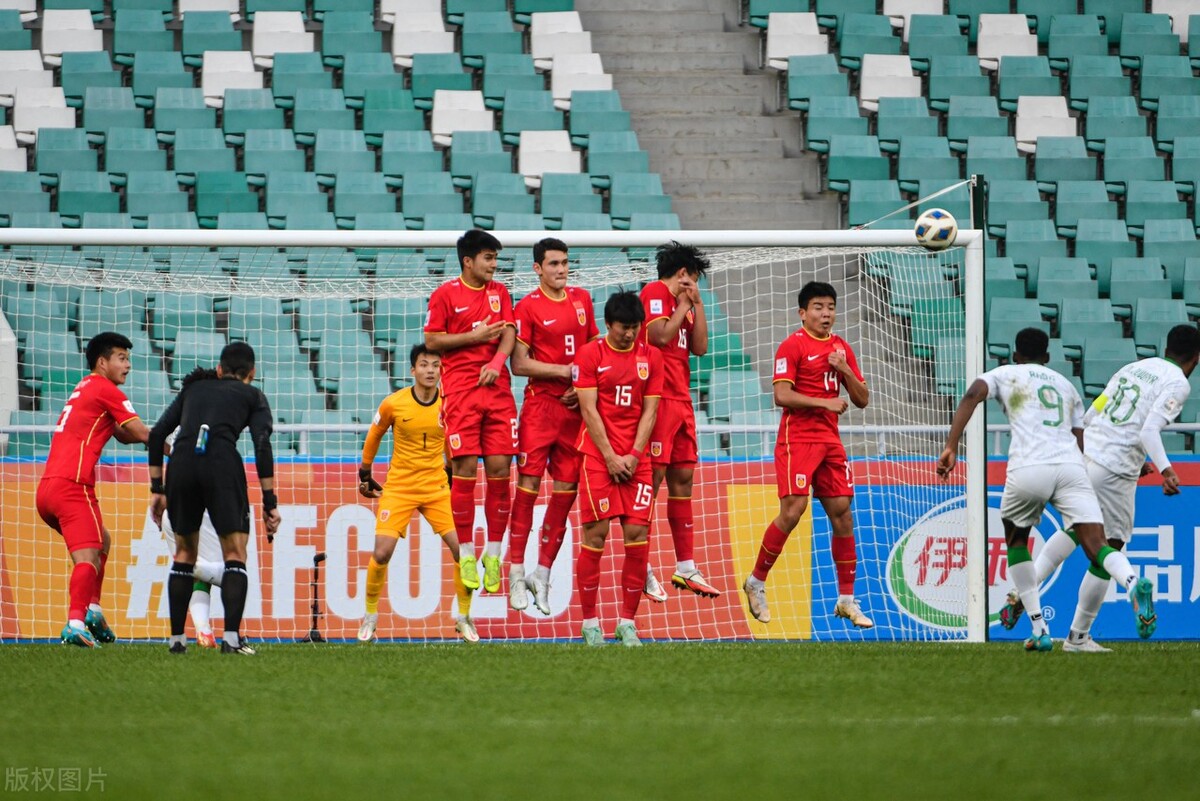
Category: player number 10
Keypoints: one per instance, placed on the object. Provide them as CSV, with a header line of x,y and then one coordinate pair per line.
x,y
624,395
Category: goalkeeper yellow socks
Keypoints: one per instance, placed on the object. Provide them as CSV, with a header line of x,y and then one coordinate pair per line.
x,y
376,573
463,594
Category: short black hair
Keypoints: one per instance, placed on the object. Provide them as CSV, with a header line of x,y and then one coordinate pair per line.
x,y
1032,343
815,289
103,344
1183,342
474,242
673,255
549,243
624,307
420,350
237,359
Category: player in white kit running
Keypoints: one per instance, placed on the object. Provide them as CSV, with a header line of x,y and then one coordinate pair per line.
x,y
1045,465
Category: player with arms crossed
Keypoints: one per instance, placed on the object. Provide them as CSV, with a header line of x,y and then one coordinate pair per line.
x,y
471,324
553,322
1045,465
416,482
1123,426
811,367
206,474
676,324
619,379
66,495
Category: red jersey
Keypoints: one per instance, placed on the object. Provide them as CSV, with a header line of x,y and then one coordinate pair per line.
x,y
660,304
622,380
455,308
93,411
803,361
554,331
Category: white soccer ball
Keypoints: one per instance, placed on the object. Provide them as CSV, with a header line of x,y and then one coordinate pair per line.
x,y
936,229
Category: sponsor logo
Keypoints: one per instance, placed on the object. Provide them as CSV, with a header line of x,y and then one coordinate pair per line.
x,y
494,302
407,419
460,309
656,449
384,514
551,321
602,369
376,420
129,407
781,365
574,373
643,370
656,307
455,441
602,504
927,568
815,356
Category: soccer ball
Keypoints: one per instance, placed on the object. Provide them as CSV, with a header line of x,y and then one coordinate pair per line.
x,y
936,229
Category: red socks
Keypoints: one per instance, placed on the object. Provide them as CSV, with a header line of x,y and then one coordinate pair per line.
x,y
774,538
846,563
554,526
100,578
587,579
683,533
497,504
85,582
462,506
521,523
633,578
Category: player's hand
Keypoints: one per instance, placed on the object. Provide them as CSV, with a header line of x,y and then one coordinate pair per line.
x,y
570,399
837,405
1147,469
486,332
946,462
368,487
158,505
1170,482
837,360
272,520
618,467
487,376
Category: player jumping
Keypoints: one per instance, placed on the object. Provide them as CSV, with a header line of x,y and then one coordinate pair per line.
x,y
553,322
1123,426
416,482
66,495
811,367
1045,465
470,323
676,324
619,379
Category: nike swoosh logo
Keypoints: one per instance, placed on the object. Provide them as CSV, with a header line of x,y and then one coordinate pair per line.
x,y
602,369
407,419
810,358
549,322
460,310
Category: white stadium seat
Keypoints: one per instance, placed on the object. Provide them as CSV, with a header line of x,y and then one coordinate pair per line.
x,y
68,31
540,152
1179,11
227,69
27,8
278,32
419,32
576,71
793,34
902,11
35,108
232,7
389,10
21,68
12,156
886,76
1004,35
1042,116
554,32
458,111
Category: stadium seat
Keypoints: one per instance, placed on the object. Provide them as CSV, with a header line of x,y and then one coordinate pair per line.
x,y
524,10
567,192
1166,75
440,221
596,111
338,151
426,192
611,152
1039,117
1130,158
278,32
227,70
1100,241
1076,200
792,34
363,72
432,72
387,110
1080,318
1074,35
1099,76
1173,242
886,76
176,109
22,192
176,220
955,76
1032,240
328,443
956,201
1102,357
1025,75
80,192
859,34
813,76
149,191
1191,287
1061,278
931,35
68,30
412,151
898,117
995,157
855,157
1111,12
1131,279
528,111
84,69
223,193
294,71
871,199
487,32
204,31
1113,117
62,149
574,72
1006,317
419,32
545,151
1041,12
1144,35
172,312
1153,318
35,109
133,149
458,111
271,150
247,109
195,348
153,69
1151,200
347,31
925,157
633,193
505,71
1175,118
555,32
495,192
290,193
13,35
200,150
1003,35
318,109
973,116
829,117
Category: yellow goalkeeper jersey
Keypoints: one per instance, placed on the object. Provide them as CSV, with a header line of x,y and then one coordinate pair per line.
x,y
418,440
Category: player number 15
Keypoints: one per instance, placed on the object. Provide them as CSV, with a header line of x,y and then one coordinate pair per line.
x,y
623,395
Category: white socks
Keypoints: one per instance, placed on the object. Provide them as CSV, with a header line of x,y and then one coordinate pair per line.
x,y
492,549
685,567
466,550
1116,564
1053,554
1024,577
542,573
516,573
209,572
1091,597
198,608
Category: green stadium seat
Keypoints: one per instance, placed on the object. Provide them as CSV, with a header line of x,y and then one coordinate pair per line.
x,y
476,152
1080,318
1063,158
329,443
96,219
861,33
1006,317
567,192
223,193
176,220
31,445
1095,76
174,311
908,283
86,68
968,12
854,158
1131,158
929,318
1031,240
586,221
1131,279
1102,357
387,110
832,116
1041,12
612,152
1100,241
633,193
924,157
136,30
202,150
653,221
995,157
758,11
1177,115
1110,118
1166,75
1145,35
13,34
320,109
247,109
1025,75
149,390
110,310
1076,200
153,69
248,314
931,35
80,192
305,221
1173,242
487,32
973,116
290,193
410,151
494,192
320,321
322,9
1073,35
207,30
1111,12
899,117
110,107
393,315
524,9
505,71
1191,287
596,110
349,31
1151,200
528,111
1060,278
1153,318
195,349
391,264
957,201
871,199
271,150
955,76
813,76
440,221
292,72
457,9
426,192
35,219
133,149
363,72
433,71
358,193
338,152
148,191
177,109
62,149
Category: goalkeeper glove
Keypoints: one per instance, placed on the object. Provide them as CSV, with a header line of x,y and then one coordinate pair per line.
x,y
368,487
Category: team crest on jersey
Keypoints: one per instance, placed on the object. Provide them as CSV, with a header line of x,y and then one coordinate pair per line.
x,y
455,441
801,481
656,449
603,505
581,315
384,514
643,370
691,316
494,303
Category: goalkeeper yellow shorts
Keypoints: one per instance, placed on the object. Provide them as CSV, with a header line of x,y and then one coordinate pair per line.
x,y
396,509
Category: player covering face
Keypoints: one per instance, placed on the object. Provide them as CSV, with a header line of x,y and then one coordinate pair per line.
x,y
619,381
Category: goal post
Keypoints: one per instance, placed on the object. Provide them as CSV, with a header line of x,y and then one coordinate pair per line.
x,y
914,316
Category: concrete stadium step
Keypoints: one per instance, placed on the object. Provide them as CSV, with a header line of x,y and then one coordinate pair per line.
x,y
698,146
665,7
710,104
710,125
786,191
645,63
686,83
814,214
748,44
742,168
642,21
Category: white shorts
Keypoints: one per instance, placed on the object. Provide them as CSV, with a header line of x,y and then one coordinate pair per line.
x,y
210,544
1115,495
1028,489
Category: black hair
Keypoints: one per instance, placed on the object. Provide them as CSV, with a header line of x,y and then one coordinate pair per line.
x,y
673,255
237,359
199,374
420,350
1032,343
103,344
815,289
474,242
1183,342
549,243
624,307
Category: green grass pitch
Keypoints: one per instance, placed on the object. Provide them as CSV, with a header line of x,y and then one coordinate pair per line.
x,y
700,721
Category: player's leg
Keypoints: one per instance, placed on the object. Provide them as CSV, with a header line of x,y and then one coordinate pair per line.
x,y
791,477
499,440
181,584
652,588
85,569
66,508
662,437
845,559
518,538
436,510
209,571
381,554
599,503
553,532
637,498
1026,492
1115,564
94,620
235,584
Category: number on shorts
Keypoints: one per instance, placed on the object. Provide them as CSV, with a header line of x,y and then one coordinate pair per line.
x,y
642,498
1127,395
624,395
513,424
62,419
569,344
1051,398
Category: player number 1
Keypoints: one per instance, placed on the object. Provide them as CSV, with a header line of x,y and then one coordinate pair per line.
x,y
624,395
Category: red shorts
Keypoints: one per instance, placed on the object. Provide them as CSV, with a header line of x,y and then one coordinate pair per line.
x,y
601,497
72,510
673,440
481,422
821,466
548,433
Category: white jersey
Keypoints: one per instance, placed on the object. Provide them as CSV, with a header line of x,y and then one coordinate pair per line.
x,y
1138,390
1042,407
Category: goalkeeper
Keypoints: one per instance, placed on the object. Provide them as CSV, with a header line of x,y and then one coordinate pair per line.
x,y
416,481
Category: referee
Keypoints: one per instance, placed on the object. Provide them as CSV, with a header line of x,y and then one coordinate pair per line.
x,y
211,411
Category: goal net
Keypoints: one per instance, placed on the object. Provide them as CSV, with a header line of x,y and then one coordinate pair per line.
x,y
332,326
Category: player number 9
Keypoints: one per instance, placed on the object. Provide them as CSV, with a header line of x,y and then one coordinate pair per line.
x,y
569,344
